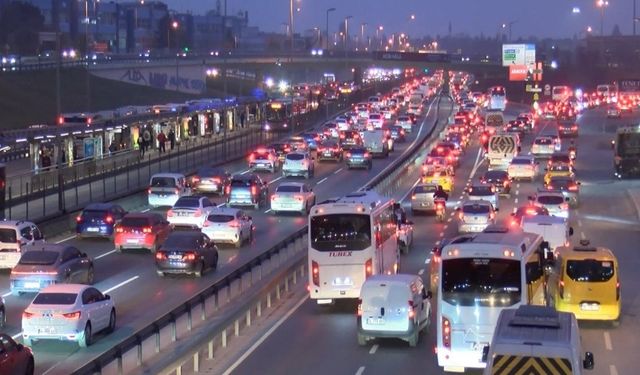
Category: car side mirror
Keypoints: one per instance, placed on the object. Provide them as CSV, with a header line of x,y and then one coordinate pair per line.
x,y
588,362
84,255
570,231
107,297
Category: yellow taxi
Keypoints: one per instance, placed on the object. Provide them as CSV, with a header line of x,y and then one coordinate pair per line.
x,y
439,176
585,281
558,170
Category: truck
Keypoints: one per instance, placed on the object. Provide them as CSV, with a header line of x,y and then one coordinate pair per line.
x,y
493,121
376,142
626,152
501,150
536,340
555,231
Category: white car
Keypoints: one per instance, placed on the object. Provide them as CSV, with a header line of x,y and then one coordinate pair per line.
x,y
475,215
343,123
228,225
298,164
405,122
293,196
166,188
486,192
190,211
543,146
522,167
376,120
14,236
554,201
68,312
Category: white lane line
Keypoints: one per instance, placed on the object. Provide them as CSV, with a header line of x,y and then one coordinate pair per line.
x,y
515,201
245,172
437,243
120,285
517,192
409,191
15,337
449,220
582,236
421,272
338,171
445,227
276,179
518,185
426,261
321,181
146,210
374,348
66,239
7,294
266,336
359,372
579,222
607,340
612,370
267,211
222,205
105,254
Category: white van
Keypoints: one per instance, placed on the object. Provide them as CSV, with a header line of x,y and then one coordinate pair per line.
x,y
536,340
166,188
375,141
555,231
395,306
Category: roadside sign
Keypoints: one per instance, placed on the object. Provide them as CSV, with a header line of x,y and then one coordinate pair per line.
x,y
536,97
547,90
533,88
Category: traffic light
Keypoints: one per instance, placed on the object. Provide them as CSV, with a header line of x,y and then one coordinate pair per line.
x,y
3,187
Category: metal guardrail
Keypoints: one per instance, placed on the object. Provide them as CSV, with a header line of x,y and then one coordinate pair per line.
x,y
211,296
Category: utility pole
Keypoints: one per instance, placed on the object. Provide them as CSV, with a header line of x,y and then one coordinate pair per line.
x,y
327,29
224,52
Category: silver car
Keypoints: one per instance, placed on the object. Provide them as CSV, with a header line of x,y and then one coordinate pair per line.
x,y
294,197
298,164
229,225
46,264
485,192
422,198
474,216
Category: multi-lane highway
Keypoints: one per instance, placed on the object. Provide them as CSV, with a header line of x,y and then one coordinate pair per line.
x,y
321,340
141,296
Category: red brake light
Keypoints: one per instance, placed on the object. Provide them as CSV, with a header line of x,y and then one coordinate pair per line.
x,y
446,332
119,229
189,256
234,224
27,315
315,273
254,190
348,154
73,315
177,191
149,191
198,213
109,219
146,230
298,198
195,179
161,255
368,268
573,188
170,213
359,307
412,312
79,219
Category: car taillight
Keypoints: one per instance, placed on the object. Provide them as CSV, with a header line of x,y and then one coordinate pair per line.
x,y
160,255
492,215
413,197
78,219
195,179
146,230
411,310
561,289
252,157
348,154
446,332
368,268
359,307
228,190
549,187
176,191
73,315
119,229
189,256
109,219
254,190
216,180
149,191
461,216
198,213
573,188
618,290
366,154
170,213
505,184
315,273
27,315
234,224
298,198
564,206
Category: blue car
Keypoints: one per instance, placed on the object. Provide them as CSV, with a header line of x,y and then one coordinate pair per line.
x,y
99,220
312,140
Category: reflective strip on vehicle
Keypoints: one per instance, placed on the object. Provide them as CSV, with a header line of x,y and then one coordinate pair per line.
x,y
519,365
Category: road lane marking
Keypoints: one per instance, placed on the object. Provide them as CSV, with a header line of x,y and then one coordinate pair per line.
x,y
437,243
146,210
245,172
66,239
410,190
421,272
579,222
426,261
120,285
445,227
15,337
582,236
105,254
266,336
449,220
612,370
7,294
518,185
338,171
607,340
360,370
321,181
441,234
276,179
267,211
221,205
373,349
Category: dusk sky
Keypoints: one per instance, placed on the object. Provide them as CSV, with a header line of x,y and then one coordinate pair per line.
x,y
543,18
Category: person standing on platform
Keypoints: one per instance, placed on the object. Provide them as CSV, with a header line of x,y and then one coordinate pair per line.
x,y
162,139
172,138
141,146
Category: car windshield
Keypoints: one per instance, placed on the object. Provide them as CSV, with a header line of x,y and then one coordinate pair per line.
x,y
295,157
220,218
288,189
481,190
374,117
481,282
424,189
590,270
187,202
55,299
357,151
37,257
550,199
163,182
496,175
182,241
135,222
93,214
520,161
404,119
8,235
475,209
335,232
279,147
560,168
543,141
240,183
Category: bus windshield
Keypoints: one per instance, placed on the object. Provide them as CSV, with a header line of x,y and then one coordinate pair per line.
x,y
275,113
484,282
340,232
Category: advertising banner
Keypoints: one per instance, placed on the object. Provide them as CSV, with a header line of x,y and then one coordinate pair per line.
x,y
518,72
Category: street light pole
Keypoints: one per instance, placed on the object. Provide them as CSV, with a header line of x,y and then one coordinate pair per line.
x,y
362,26
346,34
327,29
291,25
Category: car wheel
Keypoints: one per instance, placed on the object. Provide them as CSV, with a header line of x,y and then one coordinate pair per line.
x,y
90,276
200,270
3,318
362,340
119,249
86,336
112,321
413,340
160,273
238,244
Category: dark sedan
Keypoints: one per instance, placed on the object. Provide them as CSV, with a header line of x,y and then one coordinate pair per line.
x,y
329,150
15,358
498,178
99,220
189,252
358,157
211,180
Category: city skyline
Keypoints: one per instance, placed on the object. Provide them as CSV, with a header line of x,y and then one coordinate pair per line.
x,y
560,19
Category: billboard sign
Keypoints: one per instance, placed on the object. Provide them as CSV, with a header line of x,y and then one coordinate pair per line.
x,y
629,85
518,72
519,54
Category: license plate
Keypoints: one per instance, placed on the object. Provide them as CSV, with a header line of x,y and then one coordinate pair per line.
x,y
132,241
327,154
175,257
48,330
589,306
93,229
375,321
32,285
183,214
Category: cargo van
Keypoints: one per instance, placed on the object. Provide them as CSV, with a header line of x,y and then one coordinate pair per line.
x,y
375,141
166,188
536,340
393,306
555,231
502,149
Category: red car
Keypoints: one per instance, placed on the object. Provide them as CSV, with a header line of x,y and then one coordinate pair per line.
x,y
144,230
15,358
